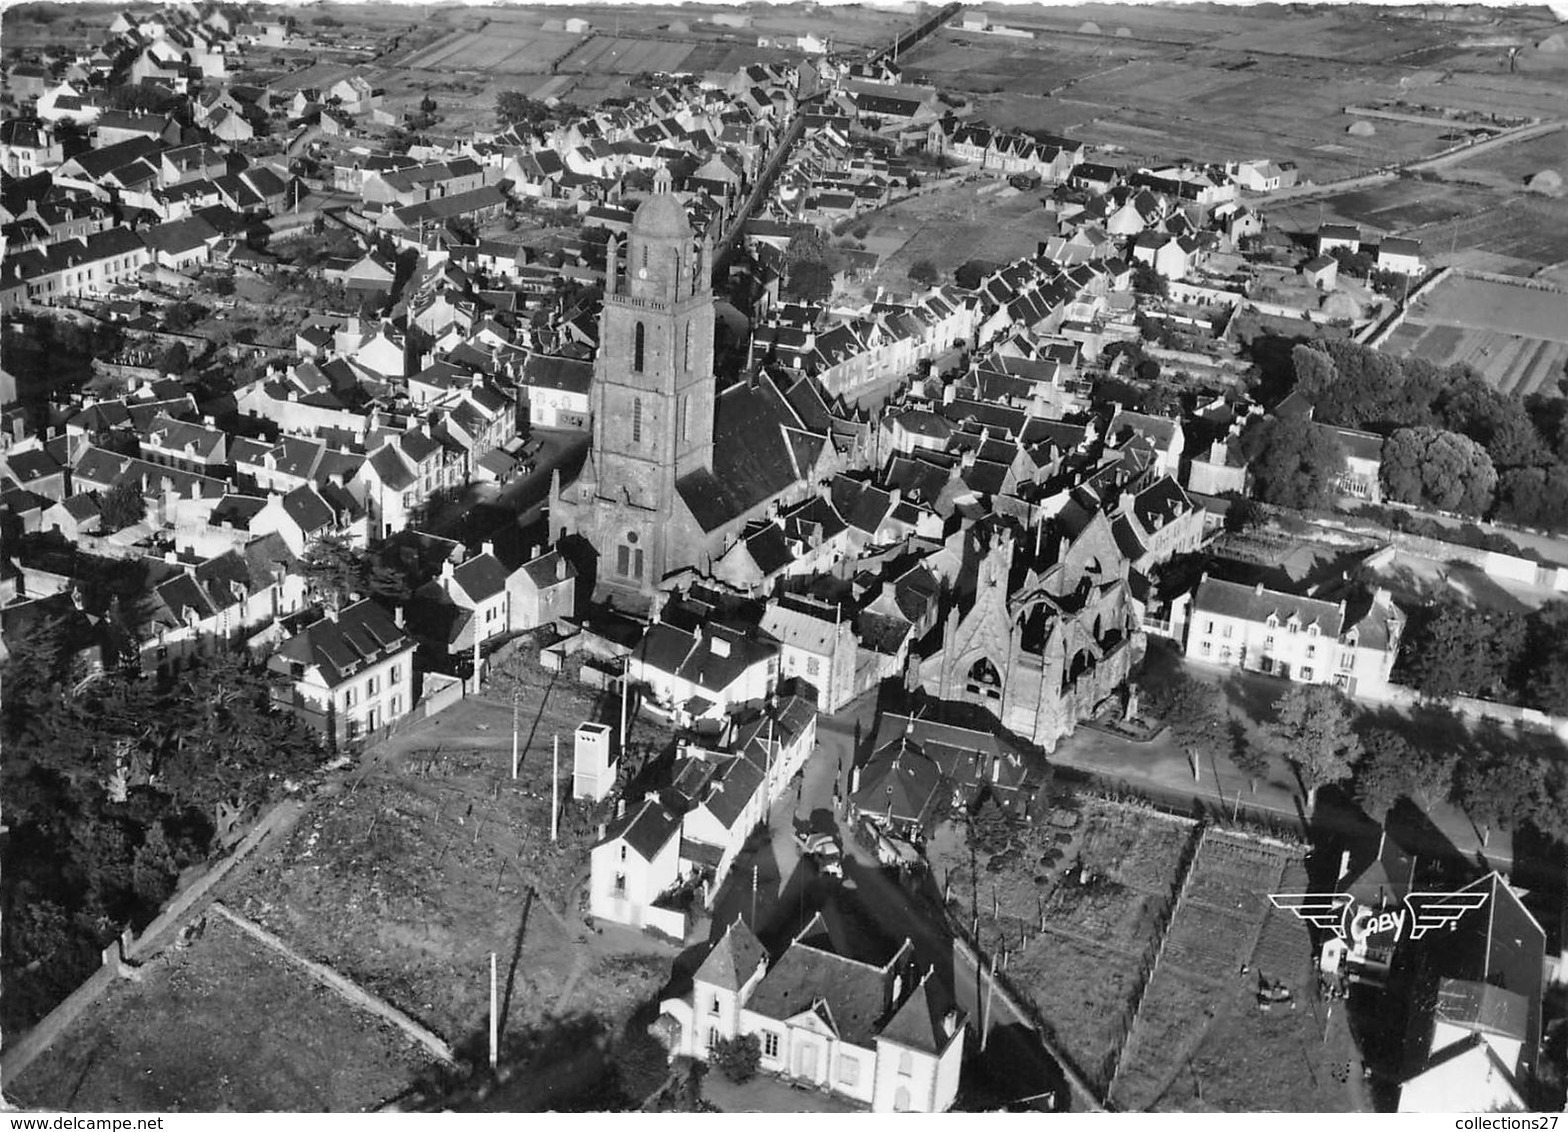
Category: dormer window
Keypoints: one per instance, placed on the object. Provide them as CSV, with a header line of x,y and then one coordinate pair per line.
x,y
1312,629
1272,622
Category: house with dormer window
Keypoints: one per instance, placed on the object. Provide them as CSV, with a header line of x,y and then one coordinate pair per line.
x,y
349,673
1351,643
884,1034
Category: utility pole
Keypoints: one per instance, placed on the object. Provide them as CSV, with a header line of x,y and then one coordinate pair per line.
x,y
494,1021
754,898
625,685
555,774
514,733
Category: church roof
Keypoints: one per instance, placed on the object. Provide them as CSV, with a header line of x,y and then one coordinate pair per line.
x,y
752,459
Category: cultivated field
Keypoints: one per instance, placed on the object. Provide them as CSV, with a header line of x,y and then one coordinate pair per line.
x,y
1515,337
1203,1043
223,1025
1077,931
435,857
1508,167
504,50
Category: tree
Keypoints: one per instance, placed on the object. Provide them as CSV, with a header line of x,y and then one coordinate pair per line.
x,y
1293,464
738,1057
1314,733
121,506
514,108
1147,281
1436,468
1455,650
991,828
1503,789
334,571
1541,665
1392,768
176,359
808,282
923,272
1194,713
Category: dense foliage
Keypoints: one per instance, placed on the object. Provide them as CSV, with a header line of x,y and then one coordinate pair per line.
x,y
1432,467
1517,658
1294,462
737,1058
113,785
1525,440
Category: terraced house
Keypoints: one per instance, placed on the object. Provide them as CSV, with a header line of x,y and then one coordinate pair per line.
x,y
349,673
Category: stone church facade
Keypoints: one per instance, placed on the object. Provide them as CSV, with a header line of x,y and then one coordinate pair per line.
x,y
1038,645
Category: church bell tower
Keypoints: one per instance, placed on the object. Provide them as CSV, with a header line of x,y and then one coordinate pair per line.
x,y
653,394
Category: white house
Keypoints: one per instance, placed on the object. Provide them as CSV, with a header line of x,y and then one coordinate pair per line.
x,y
1401,255
703,674
815,645
352,672
886,1036
1306,640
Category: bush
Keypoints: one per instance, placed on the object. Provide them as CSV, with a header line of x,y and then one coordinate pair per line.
x,y
737,1058
924,272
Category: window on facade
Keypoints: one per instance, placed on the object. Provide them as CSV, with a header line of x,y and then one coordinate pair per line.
x,y
353,729
1225,653
397,673
906,1062
637,564
848,1070
620,884
714,1005
623,560
1225,632
713,1036
349,697
372,685
637,344
1347,661
637,419
1312,630
1209,628
645,255
1306,673
1272,622
770,1045
1293,627
686,349
396,707
1312,651
1205,647
1268,642
813,666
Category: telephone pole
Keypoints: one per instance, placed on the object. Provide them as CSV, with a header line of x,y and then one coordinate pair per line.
x,y
555,774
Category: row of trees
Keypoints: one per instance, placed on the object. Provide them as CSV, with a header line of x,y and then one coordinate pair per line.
x,y
1452,650
113,785
1316,730
1454,441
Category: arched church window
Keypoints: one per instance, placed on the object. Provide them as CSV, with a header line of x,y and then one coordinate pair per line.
x,y
637,342
637,418
685,418
686,350
645,255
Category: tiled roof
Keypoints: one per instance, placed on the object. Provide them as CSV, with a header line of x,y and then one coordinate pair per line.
x,y
1256,604
361,635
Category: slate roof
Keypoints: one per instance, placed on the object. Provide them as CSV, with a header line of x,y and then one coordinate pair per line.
x,y
1256,603
752,460
922,1023
646,830
544,371
361,635
481,577
854,994
1483,1008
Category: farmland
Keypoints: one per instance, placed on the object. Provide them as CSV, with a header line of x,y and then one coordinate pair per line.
x,y
1202,1042
1076,937
221,1025
1515,337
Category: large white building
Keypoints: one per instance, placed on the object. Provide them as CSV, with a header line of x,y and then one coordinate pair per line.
x,y
887,1036
1349,644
